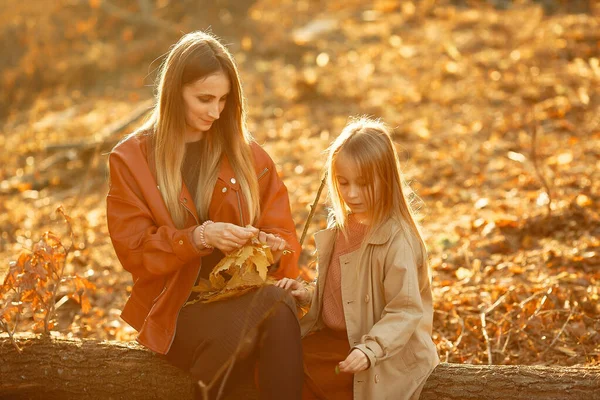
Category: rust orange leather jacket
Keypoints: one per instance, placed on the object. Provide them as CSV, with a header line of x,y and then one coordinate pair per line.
x,y
163,260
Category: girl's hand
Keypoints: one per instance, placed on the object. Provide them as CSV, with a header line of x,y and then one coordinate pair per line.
x,y
276,244
355,362
296,289
225,236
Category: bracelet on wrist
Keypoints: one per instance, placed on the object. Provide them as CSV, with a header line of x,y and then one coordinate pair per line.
x,y
201,234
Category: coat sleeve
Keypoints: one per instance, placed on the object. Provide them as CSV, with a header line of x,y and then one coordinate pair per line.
x,y
276,217
404,309
144,248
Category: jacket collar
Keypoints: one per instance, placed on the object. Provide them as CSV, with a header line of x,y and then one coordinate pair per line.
x,y
324,241
185,197
226,173
382,234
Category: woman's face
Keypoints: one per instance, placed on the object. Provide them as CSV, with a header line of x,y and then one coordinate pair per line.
x,y
204,101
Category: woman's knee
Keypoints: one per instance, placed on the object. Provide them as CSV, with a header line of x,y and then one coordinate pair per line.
x,y
282,330
275,294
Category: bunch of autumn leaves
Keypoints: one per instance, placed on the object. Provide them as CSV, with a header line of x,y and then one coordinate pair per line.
x,y
36,280
239,272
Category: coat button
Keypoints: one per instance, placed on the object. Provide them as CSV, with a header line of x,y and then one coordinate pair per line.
x,y
224,190
185,201
376,378
367,298
233,181
181,242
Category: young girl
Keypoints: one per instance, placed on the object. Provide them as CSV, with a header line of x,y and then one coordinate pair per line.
x,y
367,334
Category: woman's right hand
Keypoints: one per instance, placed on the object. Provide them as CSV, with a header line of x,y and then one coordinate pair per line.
x,y
225,236
299,291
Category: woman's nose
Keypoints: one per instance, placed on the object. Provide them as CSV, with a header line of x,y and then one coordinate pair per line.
x,y
213,112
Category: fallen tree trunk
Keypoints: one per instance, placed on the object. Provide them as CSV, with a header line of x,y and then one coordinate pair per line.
x,y
78,369
88,369
496,382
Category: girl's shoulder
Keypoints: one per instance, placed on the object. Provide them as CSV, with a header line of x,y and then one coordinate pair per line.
x,y
403,240
389,230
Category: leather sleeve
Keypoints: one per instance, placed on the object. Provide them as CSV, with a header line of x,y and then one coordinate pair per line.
x,y
276,217
144,247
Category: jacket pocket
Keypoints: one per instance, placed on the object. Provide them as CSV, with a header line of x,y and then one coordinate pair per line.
x,y
263,173
164,289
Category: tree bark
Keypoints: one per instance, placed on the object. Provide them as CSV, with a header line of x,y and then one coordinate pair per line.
x,y
500,382
88,369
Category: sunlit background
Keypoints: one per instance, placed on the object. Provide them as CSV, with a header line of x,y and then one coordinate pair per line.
x,y
495,109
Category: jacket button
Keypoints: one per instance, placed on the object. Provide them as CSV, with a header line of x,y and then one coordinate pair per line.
x,y
181,242
224,190
376,378
367,298
185,201
233,181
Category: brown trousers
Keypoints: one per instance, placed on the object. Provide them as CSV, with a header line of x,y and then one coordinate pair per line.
x,y
322,352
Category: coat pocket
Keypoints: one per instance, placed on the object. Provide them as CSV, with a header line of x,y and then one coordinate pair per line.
x,y
409,357
418,367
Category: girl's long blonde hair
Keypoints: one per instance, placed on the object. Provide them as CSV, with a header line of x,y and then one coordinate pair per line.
x,y
369,143
196,56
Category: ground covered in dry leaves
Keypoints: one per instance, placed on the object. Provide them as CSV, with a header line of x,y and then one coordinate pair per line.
x,y
496,113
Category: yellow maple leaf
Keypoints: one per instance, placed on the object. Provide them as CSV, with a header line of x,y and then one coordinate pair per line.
x,y
245,276
217,281
202,286
262,266
237,273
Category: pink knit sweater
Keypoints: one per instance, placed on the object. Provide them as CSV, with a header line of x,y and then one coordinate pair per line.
x,y
333,309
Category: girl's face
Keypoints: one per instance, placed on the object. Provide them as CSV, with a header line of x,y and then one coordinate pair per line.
x,y
204,100
353,187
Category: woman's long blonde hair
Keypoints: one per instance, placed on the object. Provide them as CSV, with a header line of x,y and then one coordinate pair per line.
x,y
196,56
368,143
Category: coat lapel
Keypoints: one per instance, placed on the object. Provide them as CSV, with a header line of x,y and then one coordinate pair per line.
x,y
324,241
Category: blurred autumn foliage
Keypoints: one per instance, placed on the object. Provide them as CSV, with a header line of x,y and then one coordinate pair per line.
x,y
35,281
496,111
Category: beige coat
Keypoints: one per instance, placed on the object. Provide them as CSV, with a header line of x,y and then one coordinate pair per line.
x,y
388,311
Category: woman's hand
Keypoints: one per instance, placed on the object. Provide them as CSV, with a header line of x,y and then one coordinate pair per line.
x,y
276,244
355,362
225,236
296,289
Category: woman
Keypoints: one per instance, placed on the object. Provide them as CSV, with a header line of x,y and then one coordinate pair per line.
x,y
191,164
